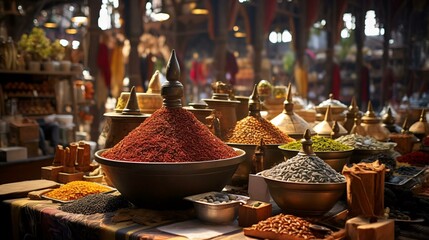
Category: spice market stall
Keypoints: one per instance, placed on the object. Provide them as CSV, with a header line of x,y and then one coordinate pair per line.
x,y
171,177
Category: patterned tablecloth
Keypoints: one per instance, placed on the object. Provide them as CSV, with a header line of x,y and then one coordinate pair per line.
x,y
41,219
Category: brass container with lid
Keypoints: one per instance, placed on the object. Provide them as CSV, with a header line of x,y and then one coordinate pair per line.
x,y
226,109
118,125
337,109
421,127
351,114
289,122
389,122
325,128
373,126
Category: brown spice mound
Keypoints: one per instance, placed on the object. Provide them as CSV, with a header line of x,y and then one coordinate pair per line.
x,y
170,135
250,130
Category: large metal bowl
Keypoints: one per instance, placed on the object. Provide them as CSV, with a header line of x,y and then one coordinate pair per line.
x,y
164,185
336,160
305,198
272,157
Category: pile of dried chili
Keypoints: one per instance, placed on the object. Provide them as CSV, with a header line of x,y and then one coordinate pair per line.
x,y
170,135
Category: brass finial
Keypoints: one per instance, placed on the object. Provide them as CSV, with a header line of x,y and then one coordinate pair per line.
x,y
254,103
258,163
388,118
172,89
353,108
328,114
288,103
306,143
423,116
154,85
370,112
405,127
132,106
335,130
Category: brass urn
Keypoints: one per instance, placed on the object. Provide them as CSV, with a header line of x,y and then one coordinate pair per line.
x,y
351,114
373,126
118,125
389,122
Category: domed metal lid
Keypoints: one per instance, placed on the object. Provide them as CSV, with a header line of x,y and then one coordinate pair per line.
x,y
421,126
324,128
388,118
370,116
288,122
332,102
306,144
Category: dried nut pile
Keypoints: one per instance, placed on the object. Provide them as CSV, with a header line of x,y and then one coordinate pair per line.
x,y
285,224
360,142
218,198
250,130
304,169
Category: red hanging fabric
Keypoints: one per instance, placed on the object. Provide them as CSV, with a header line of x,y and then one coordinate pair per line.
x,y
313,7
103,63
270,13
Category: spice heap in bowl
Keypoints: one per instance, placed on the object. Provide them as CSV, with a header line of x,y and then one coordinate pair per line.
x,y
364,146
169,156
334,153
305,184
247,134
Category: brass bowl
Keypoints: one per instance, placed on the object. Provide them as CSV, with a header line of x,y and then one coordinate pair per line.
x,y
305,198
272,157
164,185
336,160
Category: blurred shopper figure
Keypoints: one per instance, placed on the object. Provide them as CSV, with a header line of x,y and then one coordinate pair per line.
x,y
231,67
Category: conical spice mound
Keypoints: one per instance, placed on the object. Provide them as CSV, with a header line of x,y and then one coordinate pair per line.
x,y
253,128
171,134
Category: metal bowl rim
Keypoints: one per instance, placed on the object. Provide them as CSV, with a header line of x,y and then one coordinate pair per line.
x,y
253,145
298,183
292,150
111,162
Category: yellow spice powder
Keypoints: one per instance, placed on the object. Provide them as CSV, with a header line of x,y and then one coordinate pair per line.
x,y
75,190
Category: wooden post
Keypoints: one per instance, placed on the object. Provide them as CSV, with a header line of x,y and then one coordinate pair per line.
x,y
135,30
221,39
385,59
258,43
359,37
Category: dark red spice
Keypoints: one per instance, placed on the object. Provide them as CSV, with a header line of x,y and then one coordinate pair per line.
x,y
170,135
415,158
426,141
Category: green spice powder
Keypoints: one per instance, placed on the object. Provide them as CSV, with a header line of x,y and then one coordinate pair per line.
x,y
320,144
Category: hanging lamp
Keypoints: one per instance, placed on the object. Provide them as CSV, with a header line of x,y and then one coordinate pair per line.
x,y
79,16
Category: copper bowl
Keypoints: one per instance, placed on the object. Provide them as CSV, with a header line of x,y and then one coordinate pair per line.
x,y
336,160
305,198
164,185
272,157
